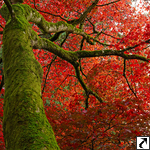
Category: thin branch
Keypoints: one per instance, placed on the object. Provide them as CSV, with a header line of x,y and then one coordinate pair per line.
x,y
124,74
1,26
84,15
146,47
51,64
131,47
81,46
111,35
86,89
54,58
108,3
2,83
63,81
98,33
1,60
49,13
86,101
67,34
55,36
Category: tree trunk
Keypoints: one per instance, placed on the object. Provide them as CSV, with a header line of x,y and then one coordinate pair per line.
x,y
25,124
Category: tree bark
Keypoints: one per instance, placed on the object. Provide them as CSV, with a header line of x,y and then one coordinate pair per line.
x,y
25,124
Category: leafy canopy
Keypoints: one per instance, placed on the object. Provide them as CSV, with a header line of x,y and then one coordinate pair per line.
x,y
102,102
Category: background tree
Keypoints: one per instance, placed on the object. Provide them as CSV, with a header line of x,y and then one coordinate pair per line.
x,y
99,102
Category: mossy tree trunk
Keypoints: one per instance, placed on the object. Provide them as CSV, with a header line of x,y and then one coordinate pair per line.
x,y
25,124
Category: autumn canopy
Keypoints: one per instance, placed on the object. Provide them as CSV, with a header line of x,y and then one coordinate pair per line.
x,y
95,84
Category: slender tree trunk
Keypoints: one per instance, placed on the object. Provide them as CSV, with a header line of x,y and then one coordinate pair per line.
x,y
25,124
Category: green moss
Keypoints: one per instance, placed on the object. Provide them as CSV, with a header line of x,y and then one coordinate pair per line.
x,y
25,124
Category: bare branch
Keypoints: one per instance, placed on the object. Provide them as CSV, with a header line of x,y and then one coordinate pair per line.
x,y
0,60
86,89
82,41
1,26
108,3
131,47
124,74
49,13
110,35
2,83
49,66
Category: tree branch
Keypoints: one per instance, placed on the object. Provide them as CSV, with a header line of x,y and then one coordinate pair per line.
x,y
85,54
49,13
131,47
9,6
72,57
42,43
86,89
49,27
0,60
1,26
124,74
2,83
81,46
108,3
49,66
84,15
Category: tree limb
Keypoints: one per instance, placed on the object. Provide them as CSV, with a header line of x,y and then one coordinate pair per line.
x,y
108,3
49,66
124,74
2,83
72,57
59,27
84,15
85,54
86,89
49,13
9,6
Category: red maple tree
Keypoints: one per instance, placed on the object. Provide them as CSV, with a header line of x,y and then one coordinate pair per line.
x,y
116,109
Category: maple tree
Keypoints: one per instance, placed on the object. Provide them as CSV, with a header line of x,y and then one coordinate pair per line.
x,y
95,84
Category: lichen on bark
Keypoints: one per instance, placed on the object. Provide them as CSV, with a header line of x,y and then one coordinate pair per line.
x,y
24,123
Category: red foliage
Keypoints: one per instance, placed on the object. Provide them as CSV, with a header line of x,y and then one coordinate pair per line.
x,y
125,112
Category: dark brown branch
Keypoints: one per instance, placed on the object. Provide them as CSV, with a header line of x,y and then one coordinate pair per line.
x,y
99,33
9,6
54,58
2,83
63,81
86,54
67,34
108,3
81,46
49,13
131,47
86,101
86,89
56,36
84,15
1,26
124,74
110,35
1,60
